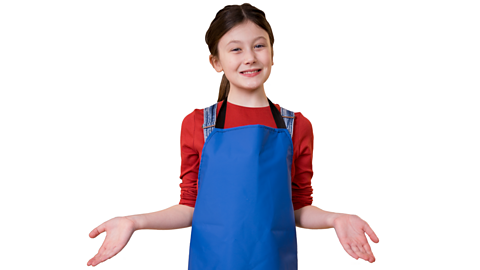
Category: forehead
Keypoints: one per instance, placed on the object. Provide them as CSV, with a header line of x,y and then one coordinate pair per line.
x,y
245,32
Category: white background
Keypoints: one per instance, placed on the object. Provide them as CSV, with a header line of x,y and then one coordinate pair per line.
x,y
93,94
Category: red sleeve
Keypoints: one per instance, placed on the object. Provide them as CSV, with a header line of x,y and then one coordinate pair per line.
x,y
190,162
303,144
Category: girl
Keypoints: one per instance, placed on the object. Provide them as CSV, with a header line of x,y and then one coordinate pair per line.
x,y
246,170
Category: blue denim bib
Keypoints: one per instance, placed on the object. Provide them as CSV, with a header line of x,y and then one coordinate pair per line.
x,y
243,217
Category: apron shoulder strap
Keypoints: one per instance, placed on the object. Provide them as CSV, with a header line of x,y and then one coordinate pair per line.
x,y
210,114
209,117
288,117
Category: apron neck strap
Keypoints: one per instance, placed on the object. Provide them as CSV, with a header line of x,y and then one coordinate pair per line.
x,y
277,116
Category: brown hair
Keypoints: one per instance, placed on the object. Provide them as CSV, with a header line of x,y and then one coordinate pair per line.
x,y
226,19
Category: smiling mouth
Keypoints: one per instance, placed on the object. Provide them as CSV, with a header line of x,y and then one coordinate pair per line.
x,y
250,72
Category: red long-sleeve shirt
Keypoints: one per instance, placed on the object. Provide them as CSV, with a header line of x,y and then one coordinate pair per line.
x,y
192,140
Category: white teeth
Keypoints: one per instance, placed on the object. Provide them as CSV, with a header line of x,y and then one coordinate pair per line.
x,y
250,72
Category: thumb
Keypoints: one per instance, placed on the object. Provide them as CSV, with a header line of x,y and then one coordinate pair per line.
x,y
371,233
95,232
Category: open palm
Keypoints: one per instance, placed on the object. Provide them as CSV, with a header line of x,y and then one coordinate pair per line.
x,y
119,230
351,231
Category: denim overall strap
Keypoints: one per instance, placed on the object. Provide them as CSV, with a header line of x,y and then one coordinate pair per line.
x,y
209,117
288,117
210,114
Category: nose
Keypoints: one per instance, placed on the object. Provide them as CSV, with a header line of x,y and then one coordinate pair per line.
x,y
250,57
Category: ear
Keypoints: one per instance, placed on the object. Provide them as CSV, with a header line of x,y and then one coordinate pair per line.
x,y
272,57
215,63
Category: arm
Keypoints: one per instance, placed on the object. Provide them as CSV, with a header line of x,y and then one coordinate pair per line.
x,y
312,217
350,229
120,229
175,217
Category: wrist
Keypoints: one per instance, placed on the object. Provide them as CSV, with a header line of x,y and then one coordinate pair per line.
x,y
136,223
335,217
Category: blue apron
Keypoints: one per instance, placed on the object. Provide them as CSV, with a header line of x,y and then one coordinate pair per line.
x,y
243,217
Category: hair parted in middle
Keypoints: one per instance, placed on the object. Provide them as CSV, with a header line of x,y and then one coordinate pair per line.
x,y
227,18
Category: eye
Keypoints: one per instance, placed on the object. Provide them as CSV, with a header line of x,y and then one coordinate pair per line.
x,y
260,45
235,50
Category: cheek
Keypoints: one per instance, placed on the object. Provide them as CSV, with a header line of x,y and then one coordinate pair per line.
x,y
267,59
232,64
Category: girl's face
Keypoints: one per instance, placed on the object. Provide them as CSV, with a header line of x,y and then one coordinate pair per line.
x,y
245,48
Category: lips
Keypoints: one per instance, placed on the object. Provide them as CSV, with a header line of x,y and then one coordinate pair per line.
x,y
250,71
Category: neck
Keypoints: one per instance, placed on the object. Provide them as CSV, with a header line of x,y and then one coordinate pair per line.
x,y
255,98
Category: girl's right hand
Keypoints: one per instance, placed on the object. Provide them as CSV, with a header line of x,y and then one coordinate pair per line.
x,y
119,230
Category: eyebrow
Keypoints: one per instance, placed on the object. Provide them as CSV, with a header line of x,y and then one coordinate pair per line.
x,y
237,41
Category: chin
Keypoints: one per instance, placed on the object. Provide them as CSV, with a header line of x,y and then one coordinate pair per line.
x,y
252,87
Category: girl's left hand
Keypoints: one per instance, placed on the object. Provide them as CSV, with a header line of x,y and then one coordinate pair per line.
x,y
351,231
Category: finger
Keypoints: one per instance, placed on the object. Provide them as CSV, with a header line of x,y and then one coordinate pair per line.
x,y
359,252
360,249
101,253
95,260
369,252
350,252
371,233
98,230
101,257
364,254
